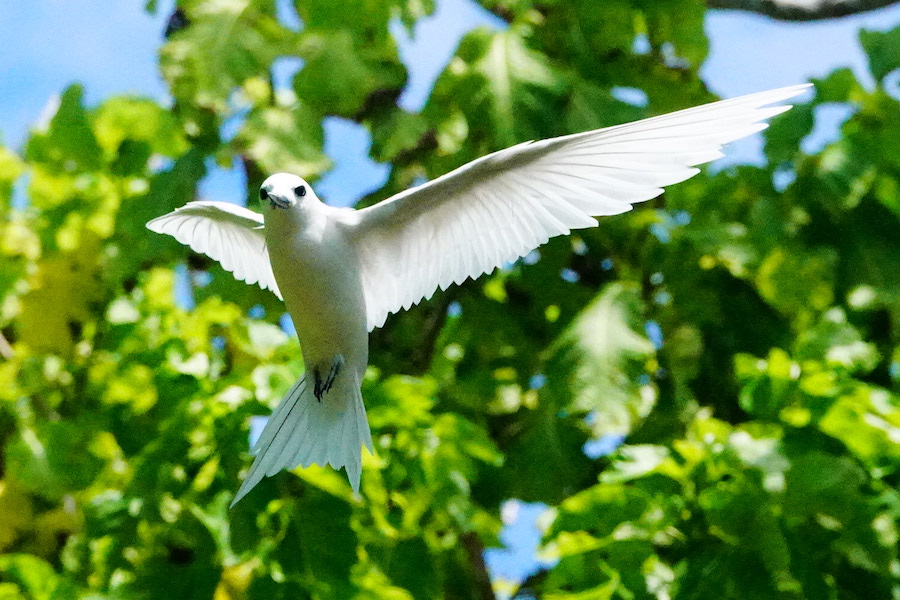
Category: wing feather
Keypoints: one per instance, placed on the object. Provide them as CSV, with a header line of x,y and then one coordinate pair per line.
x,y
227,233
502,206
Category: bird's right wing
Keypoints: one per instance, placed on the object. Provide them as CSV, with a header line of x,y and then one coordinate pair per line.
x,y
225,232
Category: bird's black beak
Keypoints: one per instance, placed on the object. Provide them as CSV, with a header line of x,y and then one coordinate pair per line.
x,y
277,202
274,200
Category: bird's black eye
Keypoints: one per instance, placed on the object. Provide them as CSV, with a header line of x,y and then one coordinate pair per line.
x,y
300,190
263,194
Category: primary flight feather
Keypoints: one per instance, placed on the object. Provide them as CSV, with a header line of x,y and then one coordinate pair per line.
x,y
341,271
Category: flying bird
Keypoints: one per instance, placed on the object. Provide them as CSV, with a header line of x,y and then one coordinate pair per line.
x,y
341,271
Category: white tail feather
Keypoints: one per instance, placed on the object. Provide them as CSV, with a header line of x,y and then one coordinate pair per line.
x,y
303,431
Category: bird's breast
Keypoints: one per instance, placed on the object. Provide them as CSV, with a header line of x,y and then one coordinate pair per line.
x,y
318,274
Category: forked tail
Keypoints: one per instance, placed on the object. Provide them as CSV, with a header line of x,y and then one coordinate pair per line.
x,y
304,430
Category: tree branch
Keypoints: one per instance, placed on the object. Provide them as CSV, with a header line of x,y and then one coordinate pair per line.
x,y
802,10
471,543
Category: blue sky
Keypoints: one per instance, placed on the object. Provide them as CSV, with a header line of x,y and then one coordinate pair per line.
x,y
110,47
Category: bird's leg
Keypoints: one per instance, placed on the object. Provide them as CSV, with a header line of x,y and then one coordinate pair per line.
x,y
320,385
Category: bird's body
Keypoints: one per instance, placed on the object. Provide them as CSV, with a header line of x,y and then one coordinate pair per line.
x,y
316,264
311,254
341,271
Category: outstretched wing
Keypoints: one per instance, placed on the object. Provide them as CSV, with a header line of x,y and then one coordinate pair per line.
x,y
501,206
225,232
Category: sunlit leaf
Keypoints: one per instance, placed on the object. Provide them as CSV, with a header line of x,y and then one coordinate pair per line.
x,y
284,140
601,361
228,42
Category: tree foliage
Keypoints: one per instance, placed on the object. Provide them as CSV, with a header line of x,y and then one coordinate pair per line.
x,y
742,333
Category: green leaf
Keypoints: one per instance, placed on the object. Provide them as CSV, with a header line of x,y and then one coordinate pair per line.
x,y
741,513
680,23
796,282
597,363
226,43
130,130
410,566
635,461
838,343
34,577
882,49
61,301
68,144
53,458
284,140
839,86
785,132
866,420
769,385
329,15
599,509
326,540
500,83
396,134
545,461
342,72
592,107
827,490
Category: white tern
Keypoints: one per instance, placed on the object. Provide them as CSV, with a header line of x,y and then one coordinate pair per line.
x,y
341,271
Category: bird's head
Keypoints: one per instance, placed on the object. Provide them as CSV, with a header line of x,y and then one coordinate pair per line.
x,y
284,191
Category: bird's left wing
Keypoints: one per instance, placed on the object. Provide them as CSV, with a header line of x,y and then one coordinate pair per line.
x,y
228,233
501,206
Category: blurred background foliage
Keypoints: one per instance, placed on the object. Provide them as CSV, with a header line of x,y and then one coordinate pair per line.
x,y
741,334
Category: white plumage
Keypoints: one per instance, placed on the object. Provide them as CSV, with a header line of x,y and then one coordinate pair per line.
x,y
342,271
229,233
